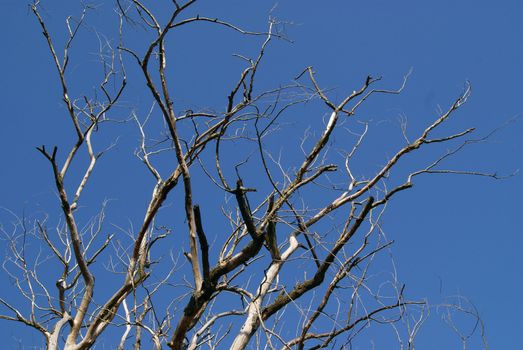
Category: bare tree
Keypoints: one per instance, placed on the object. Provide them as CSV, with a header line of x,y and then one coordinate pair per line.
x,y
297,266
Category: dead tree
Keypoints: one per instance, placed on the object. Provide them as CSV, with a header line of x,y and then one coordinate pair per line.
x,y
294,269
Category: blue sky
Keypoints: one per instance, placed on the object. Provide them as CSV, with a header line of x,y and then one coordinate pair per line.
x,y
453,234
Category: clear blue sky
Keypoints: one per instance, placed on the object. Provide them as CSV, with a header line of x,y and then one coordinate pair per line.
x,y
453,234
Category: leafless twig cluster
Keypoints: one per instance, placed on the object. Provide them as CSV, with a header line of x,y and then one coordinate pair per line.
x,y
296,268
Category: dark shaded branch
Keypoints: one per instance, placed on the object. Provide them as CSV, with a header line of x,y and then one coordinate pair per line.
x,y
245,210
204,245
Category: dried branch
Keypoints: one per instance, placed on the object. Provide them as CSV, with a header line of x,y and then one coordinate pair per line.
x,y
245,281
